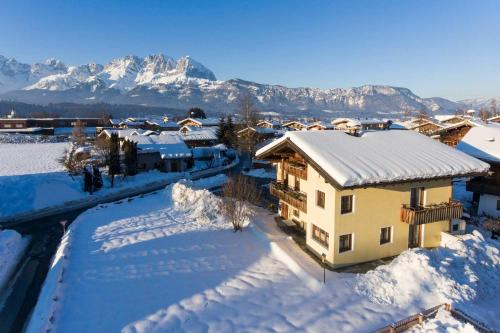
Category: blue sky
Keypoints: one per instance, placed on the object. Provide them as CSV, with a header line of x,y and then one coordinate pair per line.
x,y
436,48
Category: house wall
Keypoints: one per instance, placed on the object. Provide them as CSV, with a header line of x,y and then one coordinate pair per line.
x,y
373,209
379,207
488,205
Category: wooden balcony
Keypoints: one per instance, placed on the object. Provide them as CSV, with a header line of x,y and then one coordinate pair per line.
x,y
483,185
433,213
296,169
295,198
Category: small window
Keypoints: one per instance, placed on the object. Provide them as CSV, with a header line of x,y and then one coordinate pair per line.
x,y
498,204
385,235
345,243
346,204
19,125
320,236
297,184
320,199
454,227
7,125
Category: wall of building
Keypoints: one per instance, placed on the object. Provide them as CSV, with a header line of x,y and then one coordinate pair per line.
x,y
379,207
488,205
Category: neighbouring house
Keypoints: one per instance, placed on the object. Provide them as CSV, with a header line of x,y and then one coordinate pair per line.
x,y
198,137
46,126
274,124
256,134
424,126
484,144
320,126
355,125
296,125
494,119
449,119
174,155
199,122
361,198
122,133
454,132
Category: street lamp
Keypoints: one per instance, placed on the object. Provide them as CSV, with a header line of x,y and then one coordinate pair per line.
x,y
323,260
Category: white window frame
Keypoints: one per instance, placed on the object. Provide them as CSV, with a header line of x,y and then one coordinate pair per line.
x,y
392,235
352,244
353,205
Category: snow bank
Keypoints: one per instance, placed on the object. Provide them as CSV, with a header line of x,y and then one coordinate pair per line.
x,y
12,247
201,205
464,270
443,323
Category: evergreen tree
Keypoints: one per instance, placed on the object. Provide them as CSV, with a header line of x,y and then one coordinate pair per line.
x,y
221,131
97,180
130,157
114,157
87,180
230,134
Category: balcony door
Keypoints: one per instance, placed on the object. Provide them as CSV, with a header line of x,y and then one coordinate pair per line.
x,y
416,197
414,231
284,210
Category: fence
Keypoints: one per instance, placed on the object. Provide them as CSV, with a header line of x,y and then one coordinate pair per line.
x,y
405,324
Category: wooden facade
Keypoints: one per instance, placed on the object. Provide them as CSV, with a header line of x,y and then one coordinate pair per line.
x,y
429,214
294,198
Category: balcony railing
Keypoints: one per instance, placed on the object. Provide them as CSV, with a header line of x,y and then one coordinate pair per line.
x,y
295,198
481,185
432,213
296,169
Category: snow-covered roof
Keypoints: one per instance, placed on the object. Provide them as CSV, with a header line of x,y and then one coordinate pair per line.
x,y
482,143
122,133
200,134
271,122
323,124
445,117
202,122
169,144
379,156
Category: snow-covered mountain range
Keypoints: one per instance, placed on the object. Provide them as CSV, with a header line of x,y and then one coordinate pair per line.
x,y
159,80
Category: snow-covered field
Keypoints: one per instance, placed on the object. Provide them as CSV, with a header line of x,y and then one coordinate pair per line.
x,y
12,247
168,262
32,179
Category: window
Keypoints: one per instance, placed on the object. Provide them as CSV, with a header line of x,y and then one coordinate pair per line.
x,y
498,204
320,236
345,243
346,204
385,235
297,184
454,227
7,125
19,125
296,212
320,199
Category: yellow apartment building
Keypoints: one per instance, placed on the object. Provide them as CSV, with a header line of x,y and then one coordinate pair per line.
x,y
362,198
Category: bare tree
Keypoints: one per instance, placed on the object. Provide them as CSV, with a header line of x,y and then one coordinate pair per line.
x,y
70,162
78,133
239,194
484,114
247,110
101,150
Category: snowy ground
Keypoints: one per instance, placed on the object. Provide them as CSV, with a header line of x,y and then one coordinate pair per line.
x,y
32,179
168,262
261,173
12,247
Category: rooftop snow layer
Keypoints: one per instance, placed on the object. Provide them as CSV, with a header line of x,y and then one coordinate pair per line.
x,y
169,144
482,143
380,156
